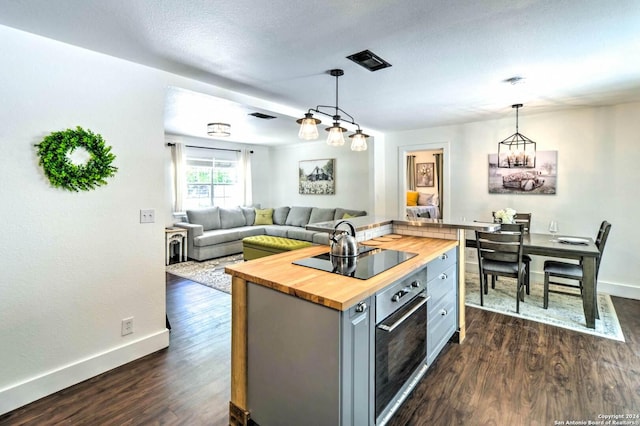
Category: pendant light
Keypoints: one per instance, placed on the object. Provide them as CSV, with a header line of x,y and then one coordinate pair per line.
x,y
517,151
309,129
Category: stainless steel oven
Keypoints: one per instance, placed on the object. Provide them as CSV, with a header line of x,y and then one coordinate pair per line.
x,y
400,341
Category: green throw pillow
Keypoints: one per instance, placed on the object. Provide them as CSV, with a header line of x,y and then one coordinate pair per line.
x,y
347,216
264,217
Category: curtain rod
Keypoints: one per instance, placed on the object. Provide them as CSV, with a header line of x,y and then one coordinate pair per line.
x,y
208,147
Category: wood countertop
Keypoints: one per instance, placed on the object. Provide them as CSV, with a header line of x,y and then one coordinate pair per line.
x,y
334,290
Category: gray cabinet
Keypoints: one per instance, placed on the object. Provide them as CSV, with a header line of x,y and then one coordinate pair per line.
x,y
299,352
442,317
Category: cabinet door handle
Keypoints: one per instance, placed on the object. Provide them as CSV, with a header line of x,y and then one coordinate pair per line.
x,y
444,256
443,312
443,276
361,307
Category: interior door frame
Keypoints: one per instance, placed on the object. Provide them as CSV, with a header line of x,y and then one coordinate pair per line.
x,y
405,150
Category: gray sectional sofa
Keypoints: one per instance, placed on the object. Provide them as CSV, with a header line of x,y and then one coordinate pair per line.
x,y
215,231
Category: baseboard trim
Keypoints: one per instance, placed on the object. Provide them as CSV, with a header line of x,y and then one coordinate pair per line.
x,y
614,289
30,390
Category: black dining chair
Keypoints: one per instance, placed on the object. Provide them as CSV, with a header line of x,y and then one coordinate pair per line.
x,y
500,254
525,220
572,271
526,259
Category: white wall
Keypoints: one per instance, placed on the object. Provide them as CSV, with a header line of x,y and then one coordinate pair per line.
x,y
75,264
598,177
353,175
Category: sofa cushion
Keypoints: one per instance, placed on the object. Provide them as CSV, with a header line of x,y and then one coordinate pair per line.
x,y
321,215
280,215
276,230
231,218
264,217
208,217
352,213
300,234
219,236
298,216
249,214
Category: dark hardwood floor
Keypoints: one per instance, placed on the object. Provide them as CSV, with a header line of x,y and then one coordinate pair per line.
x,y
507,372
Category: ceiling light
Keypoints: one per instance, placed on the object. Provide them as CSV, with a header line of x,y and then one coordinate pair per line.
x,y
219,129
309,129
517,151
359,141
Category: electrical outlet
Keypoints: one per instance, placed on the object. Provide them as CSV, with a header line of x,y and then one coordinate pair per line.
x,y
147,216
127,326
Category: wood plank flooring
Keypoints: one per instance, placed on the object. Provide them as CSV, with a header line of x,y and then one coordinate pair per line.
x,y
508,372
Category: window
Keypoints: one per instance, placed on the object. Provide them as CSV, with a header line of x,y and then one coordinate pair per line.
x,y
212,181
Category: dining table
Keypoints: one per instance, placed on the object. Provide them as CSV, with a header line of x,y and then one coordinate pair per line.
x,y
586,252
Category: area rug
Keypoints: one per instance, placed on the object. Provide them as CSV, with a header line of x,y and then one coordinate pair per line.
x,y
564,311
209,272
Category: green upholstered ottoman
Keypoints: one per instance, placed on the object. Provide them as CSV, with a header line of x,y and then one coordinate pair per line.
x,y
266,245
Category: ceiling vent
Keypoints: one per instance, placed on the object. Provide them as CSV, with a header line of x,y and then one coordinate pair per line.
x,y
262,116
369,60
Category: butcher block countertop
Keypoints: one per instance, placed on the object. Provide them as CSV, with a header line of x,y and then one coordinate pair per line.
x,y
334,290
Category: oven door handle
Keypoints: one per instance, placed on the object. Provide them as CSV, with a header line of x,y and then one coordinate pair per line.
x,y
390,328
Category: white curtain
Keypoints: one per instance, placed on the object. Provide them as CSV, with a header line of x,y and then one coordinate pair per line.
x,y
179,177
245,177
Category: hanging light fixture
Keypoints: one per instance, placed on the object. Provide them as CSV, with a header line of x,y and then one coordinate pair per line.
x,y
309,124
517,151
219,129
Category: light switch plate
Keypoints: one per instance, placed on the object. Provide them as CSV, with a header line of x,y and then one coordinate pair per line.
x,y
147,216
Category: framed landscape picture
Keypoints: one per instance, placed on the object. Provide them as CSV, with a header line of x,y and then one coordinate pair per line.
x,y
317,176
424,174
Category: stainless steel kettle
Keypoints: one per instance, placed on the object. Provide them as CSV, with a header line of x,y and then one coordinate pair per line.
x,y
342,243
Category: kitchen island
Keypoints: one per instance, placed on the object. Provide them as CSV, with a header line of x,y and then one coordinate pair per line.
x,y
304,340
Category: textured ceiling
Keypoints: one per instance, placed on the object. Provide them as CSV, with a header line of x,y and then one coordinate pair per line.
x,y
450,58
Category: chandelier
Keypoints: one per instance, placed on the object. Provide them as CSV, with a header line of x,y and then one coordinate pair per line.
x,y
219,129
309,129
517,151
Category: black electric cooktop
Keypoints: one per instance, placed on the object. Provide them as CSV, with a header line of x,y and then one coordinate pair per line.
x,y
370,262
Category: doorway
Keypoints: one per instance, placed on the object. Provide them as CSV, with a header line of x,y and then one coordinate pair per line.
x,y
429,177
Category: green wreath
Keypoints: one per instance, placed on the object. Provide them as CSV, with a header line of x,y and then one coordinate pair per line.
x,y
54,151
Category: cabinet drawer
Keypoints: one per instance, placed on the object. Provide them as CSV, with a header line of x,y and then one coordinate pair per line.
x,y
444,284
440,263
441,325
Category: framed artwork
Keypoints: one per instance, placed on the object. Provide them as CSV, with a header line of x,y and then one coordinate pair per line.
x,y
424,174
317,176
541,180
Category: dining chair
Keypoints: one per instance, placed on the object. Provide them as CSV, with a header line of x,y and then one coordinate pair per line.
x,y
524,219
500,254
526,259
572,271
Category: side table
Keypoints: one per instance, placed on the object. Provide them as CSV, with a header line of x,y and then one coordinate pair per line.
x,y
175,236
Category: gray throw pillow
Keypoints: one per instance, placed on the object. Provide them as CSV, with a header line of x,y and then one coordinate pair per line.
x,y
231,218
249,215
321,215
298,216
208,217
280,215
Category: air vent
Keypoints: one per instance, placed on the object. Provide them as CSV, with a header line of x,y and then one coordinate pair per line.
x,y
369,60
262,116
